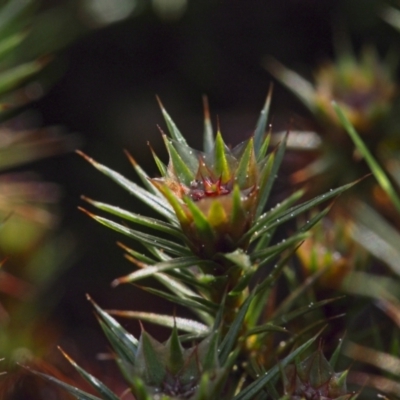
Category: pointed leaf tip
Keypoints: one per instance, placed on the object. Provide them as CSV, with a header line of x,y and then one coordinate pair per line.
x,y
87,212
130,158
85,156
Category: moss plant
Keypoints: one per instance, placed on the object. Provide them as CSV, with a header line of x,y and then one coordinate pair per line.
x,y
212,250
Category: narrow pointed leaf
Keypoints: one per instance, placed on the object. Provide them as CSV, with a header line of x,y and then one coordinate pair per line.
x,y
376,169
266,328
13,77
172,199
133,255
154,202
11,12
145,238
193,304
262,123
172,128
181,169
154,366
238,212
264,148
136,218
267,222
208,136
289,316
141,173
9,43
199,219
79,394
255,387
175,358
221,162
169,321
217,214
280,247
315,219
230,339
247,165
100,387
297,293
149,270
336,354
160,165
265,189
303,89
117,346
127,340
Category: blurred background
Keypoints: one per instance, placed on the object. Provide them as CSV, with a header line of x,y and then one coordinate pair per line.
x,y
109,61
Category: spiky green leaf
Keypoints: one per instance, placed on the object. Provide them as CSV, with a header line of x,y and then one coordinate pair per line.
x,y
255,387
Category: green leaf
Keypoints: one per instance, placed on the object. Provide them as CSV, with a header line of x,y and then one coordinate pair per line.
x,y
376,169
175,351
315,219
264,148
255,387
169,321
336,354
303,89
15,76
149,270
11,13
265,187
221,162
101,388
289,316
297,292
280,247
238,258
264,239
265,222
246,166
79,394
181,169
128,341
376,235
149,352
208,136
192,303
238,213
9,43
231,336
266,328
199,219
133,255
136,218
142,174
261,125
172,128
156,203
117,346
160,165
145,238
